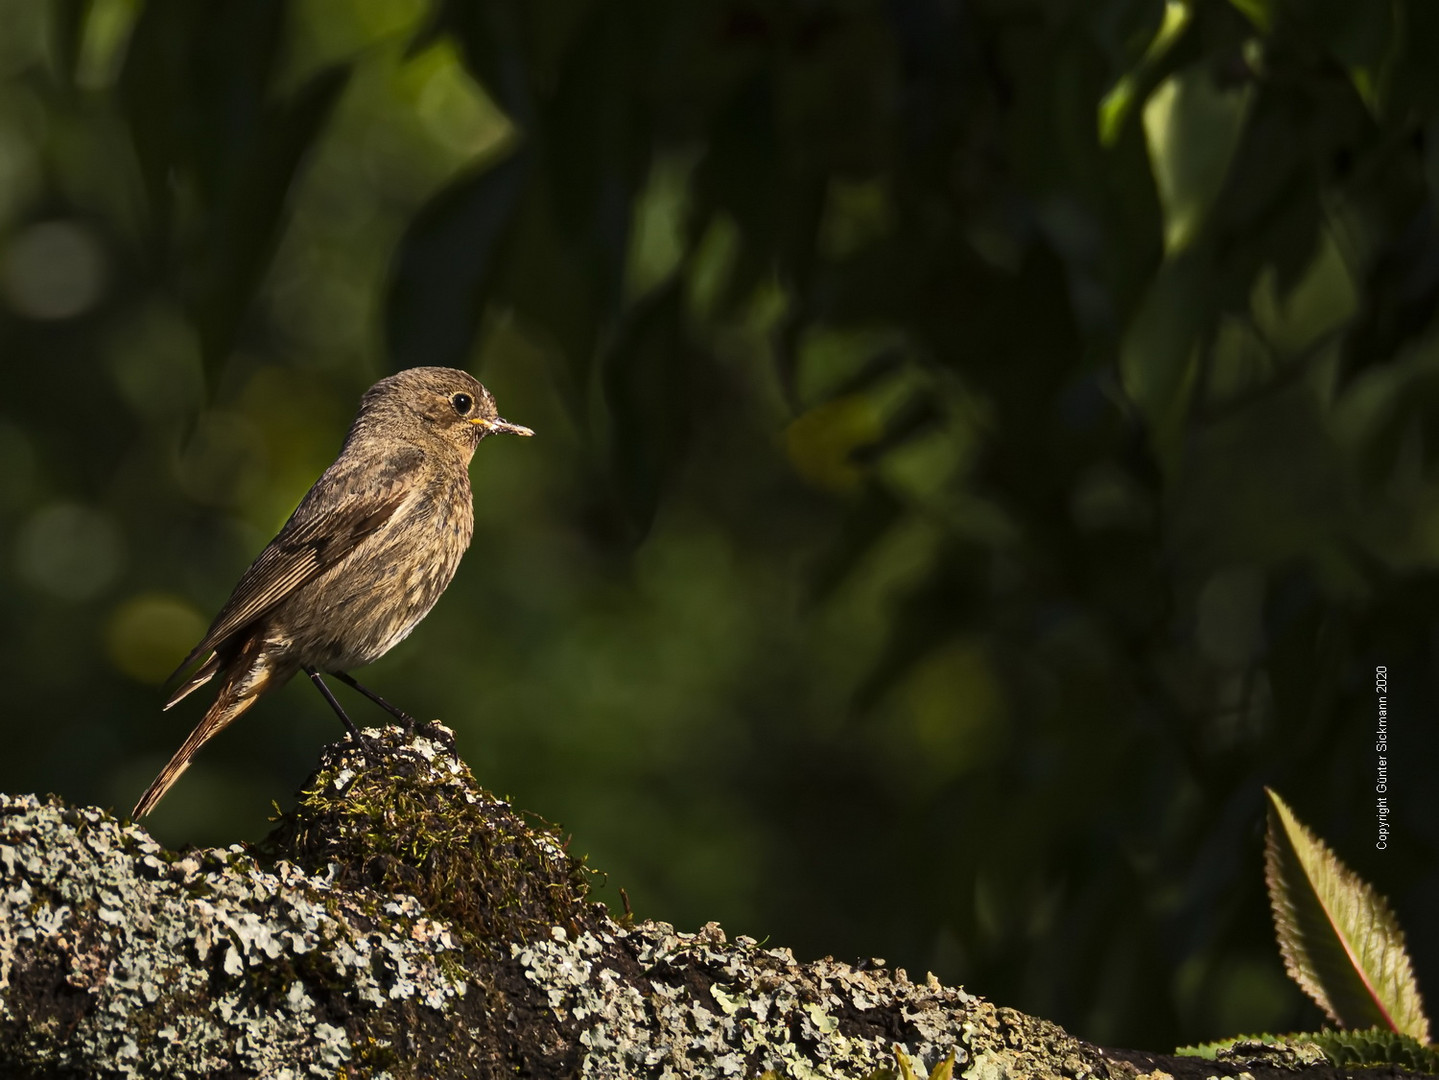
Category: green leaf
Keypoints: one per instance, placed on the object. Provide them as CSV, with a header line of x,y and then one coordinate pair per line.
x,y
219,152
446,265
1192,126
1340,941
251,213
646,375
493,40
943,1070
858,533
1134,87
1159,355
67,21
1374,1047
1364,1048
1258,12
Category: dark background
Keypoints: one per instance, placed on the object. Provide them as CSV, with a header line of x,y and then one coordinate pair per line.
x,y
980,444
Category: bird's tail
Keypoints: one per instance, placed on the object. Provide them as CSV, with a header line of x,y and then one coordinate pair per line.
x,y
237,695
203,674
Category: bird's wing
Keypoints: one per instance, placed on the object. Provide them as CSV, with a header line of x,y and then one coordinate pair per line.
x,y
335,517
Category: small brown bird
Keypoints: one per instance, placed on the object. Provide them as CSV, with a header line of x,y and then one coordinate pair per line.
x,y
361,561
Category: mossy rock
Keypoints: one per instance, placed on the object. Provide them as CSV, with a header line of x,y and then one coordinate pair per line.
x,y
407,816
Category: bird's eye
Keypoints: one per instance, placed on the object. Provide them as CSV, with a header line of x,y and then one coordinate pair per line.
x,y
463,403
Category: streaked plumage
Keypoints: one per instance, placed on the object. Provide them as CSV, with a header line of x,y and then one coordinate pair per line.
x,y
362,559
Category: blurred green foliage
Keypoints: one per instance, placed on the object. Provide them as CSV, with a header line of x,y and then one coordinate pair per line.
x,y
982,442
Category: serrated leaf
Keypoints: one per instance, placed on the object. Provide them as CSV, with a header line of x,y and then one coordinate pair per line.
x,y
1286,1054
1201,1050
1340,941
1230,1048
1374,1047
1371,1047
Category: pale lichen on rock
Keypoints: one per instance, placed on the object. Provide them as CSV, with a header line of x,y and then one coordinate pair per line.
x,y
402,923
154,964
652,1001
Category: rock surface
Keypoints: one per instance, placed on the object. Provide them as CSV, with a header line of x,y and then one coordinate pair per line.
x,y
402,923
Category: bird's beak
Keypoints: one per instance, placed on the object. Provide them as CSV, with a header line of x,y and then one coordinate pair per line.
x,y
498,426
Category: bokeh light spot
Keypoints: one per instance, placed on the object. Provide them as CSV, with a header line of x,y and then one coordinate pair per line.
x,y
69,550
823,441
154,360
53,270
148,634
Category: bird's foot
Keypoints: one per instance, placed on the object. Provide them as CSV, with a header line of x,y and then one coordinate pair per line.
x,y
369,751
437,732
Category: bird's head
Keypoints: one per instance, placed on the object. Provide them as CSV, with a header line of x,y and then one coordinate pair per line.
x,y
422,404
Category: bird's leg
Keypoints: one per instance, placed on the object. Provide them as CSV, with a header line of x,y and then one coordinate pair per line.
x,y
399,714
359,739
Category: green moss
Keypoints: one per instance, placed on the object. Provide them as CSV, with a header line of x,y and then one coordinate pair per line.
x,y
414,821
409,926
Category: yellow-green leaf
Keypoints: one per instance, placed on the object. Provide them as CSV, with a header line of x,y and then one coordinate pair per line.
x,y
1340,941
1134,87
906,1070
1259,12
